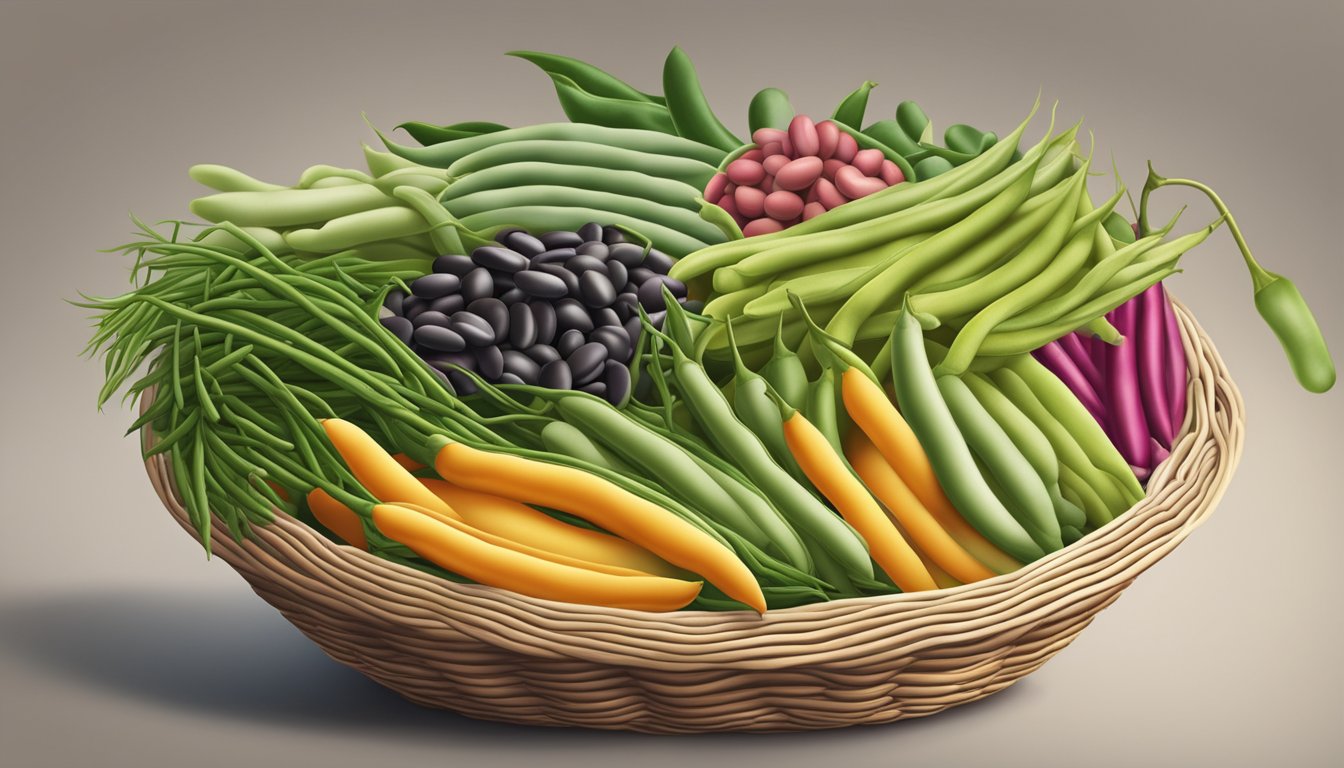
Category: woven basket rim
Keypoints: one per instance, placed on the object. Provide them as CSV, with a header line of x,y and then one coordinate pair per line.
x,y
289,556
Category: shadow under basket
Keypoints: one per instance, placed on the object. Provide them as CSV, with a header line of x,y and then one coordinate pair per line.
x,y
493,654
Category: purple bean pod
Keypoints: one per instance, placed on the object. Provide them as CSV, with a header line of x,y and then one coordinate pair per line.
x,y
1058,362
1128,427
1174,370
1150,336
1080,349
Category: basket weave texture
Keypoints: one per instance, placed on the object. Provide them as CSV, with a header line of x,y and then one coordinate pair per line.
x,y
492,654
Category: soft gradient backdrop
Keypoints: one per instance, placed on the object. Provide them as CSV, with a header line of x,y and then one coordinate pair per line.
x,y
119,643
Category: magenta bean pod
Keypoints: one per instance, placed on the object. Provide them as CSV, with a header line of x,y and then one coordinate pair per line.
x,y
1174,369
853,184
1058,362
1080,349
1129,428
1151,332
799,173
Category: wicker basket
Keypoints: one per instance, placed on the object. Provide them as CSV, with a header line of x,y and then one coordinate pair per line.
x,y
488,653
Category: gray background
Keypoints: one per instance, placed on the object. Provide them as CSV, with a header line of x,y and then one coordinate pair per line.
x,y
120,645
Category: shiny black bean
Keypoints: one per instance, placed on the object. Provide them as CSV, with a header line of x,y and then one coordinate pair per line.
x,y
555,256
477,284
590,232
586,362
625,309
393,301
522,328
583,262
570,279
438,338
618,274
571,314
615,340
503,282
656,319
658,261
556,375
499,258
633,327
412,306
509,378
612,235
595,388
694,306
540,284
605,316
597,250
525,244
617,378
629,254
496,313
641,275
651,291
503,234
462,385
473,328
514,296
522,366
543,316
454,264
490,362
542,353
448,304
430,317
569,341
400,326
435,285
595,289
561,239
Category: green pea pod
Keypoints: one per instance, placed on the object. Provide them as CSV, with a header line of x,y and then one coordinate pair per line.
x,y
889,132
583,107
586,76
927,413
715,215
568,440
785,371
757,410
967,139
913,121
1120,230
854,105
769,108
821,409
932,166
690,111
1281,304
428,134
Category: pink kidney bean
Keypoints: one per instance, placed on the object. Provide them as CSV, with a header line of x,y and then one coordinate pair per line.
x,y
891,173
750,201
812,210
767,185
829,167
869,161
783,205
729,204
853,184
773,163
761,227
799,174
786,146
753,154
772,149
845,148
803,136
828,195
743,171
714,189
764,136
828,136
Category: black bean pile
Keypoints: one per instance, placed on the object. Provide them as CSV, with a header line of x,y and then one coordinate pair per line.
x,y
557,309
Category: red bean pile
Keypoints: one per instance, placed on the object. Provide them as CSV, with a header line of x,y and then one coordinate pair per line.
x,y
791,176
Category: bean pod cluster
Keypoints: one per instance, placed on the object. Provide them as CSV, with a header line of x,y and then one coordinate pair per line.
x,y
557,309
791,176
